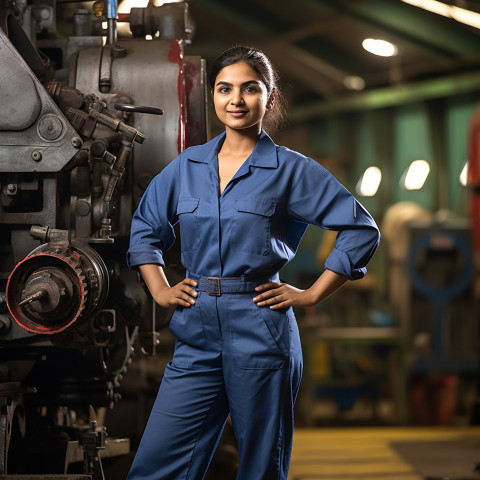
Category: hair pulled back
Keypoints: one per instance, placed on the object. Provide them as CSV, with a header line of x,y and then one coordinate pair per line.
x,y
261,64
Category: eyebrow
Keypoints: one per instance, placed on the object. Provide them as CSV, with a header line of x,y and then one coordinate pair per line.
x,y
256,82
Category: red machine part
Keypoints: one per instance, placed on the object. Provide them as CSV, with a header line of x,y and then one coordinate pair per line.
x,y
474,179
46,292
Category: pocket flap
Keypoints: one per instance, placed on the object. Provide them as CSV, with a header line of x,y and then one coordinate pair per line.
x,y
258,206
187,205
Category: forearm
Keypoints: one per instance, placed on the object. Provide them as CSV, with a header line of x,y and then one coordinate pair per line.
x,y
327,283
281,295
154,277
182,293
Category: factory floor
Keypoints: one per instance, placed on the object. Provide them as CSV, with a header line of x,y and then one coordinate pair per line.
x,y
407,453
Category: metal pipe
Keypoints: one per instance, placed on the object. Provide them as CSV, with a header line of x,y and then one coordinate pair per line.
x,y
389,96
112,22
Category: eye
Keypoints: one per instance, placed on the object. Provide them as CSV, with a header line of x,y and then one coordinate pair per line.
x,y
223,89
251,89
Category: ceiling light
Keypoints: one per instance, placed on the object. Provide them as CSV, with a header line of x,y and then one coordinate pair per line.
x,y
416,175
353,82
459,14
379,47
464,175
369,182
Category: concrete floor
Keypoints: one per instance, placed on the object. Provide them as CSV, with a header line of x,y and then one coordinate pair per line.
x,y
408,453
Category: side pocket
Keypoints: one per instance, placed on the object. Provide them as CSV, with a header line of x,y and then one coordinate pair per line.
x,y
277,322
187,325
256,343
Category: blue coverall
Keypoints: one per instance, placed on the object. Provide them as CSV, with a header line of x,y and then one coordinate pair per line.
x,y
232,356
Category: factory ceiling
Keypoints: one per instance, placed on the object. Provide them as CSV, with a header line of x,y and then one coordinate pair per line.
x,y
317,47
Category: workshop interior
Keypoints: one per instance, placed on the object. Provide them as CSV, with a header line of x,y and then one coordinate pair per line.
x,y
96,98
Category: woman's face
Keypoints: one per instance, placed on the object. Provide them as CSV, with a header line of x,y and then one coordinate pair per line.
x,y
240,97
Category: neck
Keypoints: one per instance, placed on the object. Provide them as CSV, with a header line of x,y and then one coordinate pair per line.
x,y
240,141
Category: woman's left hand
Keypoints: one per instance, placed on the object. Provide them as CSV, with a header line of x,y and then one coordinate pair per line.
x,y
282,295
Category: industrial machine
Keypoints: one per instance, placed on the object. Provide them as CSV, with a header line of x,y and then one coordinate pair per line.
x,y
86,121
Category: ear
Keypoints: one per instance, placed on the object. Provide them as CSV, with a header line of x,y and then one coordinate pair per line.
x,y
271,99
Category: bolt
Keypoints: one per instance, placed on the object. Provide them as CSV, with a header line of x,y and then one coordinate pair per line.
x,y
106,229
98,148
77,142
44,13
11,188
83,208
98,8
36,156
118,51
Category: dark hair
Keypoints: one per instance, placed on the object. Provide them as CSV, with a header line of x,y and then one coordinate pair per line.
x,y
261,64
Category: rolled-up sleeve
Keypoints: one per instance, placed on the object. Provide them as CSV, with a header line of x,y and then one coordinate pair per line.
x,y
152,232
317,197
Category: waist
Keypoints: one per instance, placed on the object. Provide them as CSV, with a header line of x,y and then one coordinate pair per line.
x,y
216,286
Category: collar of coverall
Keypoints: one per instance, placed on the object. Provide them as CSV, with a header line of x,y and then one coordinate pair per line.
x,y
264,154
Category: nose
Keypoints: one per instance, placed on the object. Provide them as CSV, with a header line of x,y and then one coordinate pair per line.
x,y
237,98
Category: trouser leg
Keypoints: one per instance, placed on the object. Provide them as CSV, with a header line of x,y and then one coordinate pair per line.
x,y
263,367
261,408
184,426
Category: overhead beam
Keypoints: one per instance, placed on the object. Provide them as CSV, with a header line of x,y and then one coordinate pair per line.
x,y
424,26
389,96
298,62
394,29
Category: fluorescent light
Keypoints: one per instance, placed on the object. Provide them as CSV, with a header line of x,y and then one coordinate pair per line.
x,y
416,175
379,47
459,14
464,175
369,182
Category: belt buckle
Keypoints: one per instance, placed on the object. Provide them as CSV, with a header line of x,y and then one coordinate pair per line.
x,y
217,289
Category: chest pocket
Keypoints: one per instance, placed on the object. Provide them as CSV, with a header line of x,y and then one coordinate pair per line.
x,y
187,216
251,225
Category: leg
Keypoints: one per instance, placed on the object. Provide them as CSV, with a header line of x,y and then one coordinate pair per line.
x,y
263,367
262,418
185,423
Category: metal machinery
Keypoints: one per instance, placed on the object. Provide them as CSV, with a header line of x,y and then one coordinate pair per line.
x,y
85,123
431,268
474,184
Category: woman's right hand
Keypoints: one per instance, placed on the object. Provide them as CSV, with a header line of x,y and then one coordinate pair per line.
x,y
180,294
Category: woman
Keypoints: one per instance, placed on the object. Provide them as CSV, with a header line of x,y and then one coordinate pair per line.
x,y
243,204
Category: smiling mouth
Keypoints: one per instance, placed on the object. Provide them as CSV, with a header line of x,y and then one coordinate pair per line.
x,y
237,113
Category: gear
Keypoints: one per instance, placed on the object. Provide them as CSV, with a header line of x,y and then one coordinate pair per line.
x,y
47,292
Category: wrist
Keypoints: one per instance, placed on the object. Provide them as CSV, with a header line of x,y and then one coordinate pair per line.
x,y
313,295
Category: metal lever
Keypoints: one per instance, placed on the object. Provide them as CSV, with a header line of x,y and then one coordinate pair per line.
x,y
125,107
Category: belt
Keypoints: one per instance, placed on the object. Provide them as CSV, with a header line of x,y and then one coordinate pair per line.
x,y
216,286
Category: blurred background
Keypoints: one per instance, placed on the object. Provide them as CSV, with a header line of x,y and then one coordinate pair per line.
x,y
384,94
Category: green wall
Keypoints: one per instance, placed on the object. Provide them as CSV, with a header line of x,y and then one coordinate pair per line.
x,y
391,138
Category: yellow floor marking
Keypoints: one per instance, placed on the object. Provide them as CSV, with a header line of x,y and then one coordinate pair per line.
x,y
361,453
